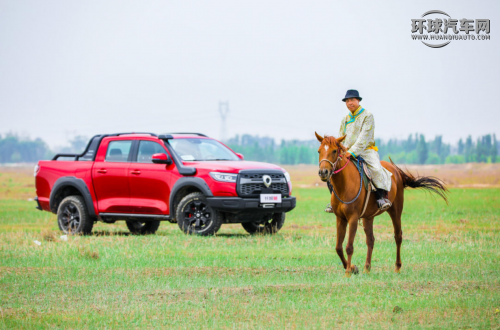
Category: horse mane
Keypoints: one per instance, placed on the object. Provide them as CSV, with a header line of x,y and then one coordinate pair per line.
x,y
332,140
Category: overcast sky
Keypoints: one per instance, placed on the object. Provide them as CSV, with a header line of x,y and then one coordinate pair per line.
x,y
89,67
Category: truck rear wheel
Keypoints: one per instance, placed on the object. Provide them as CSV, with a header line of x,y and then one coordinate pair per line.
x,y
143,227
271,226
195,216
73,216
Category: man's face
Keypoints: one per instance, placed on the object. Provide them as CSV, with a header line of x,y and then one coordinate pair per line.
x,y
352,104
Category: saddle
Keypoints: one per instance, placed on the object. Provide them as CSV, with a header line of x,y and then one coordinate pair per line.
x,y
367,178
367,181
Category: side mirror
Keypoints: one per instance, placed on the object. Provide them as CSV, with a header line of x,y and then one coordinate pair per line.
x,y
240,156
161,159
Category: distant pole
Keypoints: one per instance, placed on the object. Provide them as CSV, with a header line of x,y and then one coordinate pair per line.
x,y
223,110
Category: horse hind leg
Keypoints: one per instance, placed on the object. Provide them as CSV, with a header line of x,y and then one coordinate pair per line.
x,y
395,213
370,242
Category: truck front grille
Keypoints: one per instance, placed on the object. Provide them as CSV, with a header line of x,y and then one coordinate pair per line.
x,y
256,188
251,184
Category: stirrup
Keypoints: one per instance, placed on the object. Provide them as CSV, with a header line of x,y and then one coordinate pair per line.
x,y
383,204
328,208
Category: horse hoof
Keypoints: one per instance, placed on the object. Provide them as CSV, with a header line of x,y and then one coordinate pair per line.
x,y
352,270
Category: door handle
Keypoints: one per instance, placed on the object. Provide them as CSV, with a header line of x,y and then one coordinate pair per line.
x,y
102,171
135,172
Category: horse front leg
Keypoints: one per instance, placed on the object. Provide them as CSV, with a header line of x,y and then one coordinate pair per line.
x,y
353,227
341,230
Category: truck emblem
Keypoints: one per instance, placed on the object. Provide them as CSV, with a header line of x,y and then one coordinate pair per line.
x,y
267,180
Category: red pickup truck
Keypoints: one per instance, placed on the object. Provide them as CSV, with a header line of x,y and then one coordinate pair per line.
x,y
144,178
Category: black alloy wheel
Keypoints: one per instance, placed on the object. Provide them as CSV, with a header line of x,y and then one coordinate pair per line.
x,y
70,218
198,215
73,217
195,216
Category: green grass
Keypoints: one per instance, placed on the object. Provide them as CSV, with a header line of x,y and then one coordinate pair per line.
x,y
450,276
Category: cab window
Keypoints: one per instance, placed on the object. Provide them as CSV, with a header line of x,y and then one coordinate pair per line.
x,y
147,149
118,151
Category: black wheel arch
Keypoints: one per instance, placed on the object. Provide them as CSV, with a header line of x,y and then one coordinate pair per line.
x,y
67,186
185,186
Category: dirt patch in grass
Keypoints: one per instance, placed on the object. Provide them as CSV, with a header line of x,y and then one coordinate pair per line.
x,y
27,271
219,271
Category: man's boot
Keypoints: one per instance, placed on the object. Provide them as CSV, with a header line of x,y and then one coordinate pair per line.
x,y
329,208
382,200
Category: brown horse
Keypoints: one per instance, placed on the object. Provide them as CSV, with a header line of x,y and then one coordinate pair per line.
x,y
345,179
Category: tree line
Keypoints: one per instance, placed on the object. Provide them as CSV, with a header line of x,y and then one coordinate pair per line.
x,y
13,149
16,149
413,150
416,150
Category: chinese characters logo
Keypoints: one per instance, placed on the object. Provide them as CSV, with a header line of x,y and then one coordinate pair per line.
x,y
447,29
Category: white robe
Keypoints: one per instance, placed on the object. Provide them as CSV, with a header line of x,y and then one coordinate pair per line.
x,y
359,129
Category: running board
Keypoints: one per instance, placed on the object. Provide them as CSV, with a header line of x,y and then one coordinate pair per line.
x,y
126,216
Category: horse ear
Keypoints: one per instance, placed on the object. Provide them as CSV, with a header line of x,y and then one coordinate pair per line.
x,y
319,137
340,139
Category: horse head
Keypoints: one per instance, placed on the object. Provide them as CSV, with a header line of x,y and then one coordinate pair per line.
x,y
329,152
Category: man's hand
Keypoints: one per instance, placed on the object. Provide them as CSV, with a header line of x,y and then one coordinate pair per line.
x,y
347,156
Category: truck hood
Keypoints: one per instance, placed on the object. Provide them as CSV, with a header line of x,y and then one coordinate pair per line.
x,y
231,166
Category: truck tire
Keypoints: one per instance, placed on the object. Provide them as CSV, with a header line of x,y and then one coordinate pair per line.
x,y
143,227
271,226
73,217
195,216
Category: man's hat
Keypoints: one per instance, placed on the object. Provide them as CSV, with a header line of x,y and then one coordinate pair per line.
x,y
351,93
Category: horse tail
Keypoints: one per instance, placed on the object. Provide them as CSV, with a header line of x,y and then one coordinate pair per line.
x,y
429,183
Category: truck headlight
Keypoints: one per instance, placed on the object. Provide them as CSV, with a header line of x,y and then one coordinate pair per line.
x,y
288,179
224,177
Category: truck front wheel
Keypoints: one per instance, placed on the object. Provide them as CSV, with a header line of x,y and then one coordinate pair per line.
x,y
73,217
143,227
195,216
271,226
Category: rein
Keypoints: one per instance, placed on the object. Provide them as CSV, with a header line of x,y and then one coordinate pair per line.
x,y
334,171
347,162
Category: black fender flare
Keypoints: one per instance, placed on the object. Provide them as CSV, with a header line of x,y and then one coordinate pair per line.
x,y
198,183
79,185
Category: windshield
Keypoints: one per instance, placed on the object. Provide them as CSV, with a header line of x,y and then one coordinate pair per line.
x,y
201,149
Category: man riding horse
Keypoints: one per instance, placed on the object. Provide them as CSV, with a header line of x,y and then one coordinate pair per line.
x,y
348,201
358,129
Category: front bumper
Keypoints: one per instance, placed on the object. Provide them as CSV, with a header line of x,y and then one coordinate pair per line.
x,y
238,205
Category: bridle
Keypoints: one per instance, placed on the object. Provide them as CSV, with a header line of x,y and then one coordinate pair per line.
x,y
334,166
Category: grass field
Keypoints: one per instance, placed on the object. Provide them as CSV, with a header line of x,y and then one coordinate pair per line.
x,y
450,276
